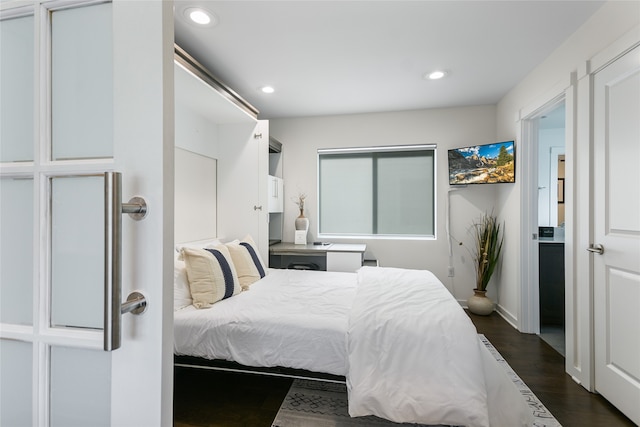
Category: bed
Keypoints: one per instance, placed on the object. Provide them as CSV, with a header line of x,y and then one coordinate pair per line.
x,y
407,350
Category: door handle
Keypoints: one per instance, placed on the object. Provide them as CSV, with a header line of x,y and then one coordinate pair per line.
x,y
596,249
136,302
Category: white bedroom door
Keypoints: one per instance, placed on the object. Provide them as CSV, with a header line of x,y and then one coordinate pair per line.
x,y
616,242
86,88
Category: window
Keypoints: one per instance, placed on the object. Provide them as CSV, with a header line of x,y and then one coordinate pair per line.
x,y
377,191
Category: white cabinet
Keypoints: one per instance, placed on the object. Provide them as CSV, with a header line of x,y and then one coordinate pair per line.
x,y
209,125
345,257
242,183
276,193
344,261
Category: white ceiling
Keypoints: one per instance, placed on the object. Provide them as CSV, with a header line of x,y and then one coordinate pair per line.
x,y
342,57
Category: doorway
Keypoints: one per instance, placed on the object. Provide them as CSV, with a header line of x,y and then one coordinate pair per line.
x,y
544,135
551,222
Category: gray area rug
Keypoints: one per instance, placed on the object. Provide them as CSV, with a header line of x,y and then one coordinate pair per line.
x,y
323,404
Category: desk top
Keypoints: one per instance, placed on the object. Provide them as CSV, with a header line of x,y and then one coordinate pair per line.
x,y
319,249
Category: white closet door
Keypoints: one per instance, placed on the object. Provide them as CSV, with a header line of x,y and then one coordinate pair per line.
x,y
617,230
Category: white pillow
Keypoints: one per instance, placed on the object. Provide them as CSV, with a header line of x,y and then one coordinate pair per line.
x,y
212,275
181,291
198,244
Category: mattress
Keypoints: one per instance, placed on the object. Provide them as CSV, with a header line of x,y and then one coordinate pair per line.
x,y
290,318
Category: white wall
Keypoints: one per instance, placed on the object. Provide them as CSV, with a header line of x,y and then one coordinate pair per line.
x,y
548,139
549,79
448,128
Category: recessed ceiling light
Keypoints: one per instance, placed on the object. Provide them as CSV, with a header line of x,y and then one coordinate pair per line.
x,y
267,89
200,16
435,75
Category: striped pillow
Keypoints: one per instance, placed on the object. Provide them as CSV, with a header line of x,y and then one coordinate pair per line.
x,y
247,261
212,275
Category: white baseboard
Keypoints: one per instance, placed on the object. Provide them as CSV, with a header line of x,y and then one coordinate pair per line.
x,y
506,315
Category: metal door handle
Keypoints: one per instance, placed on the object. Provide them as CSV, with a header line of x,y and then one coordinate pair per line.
x,y
596,249
136,302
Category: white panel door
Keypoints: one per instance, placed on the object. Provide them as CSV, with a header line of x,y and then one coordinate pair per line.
x,y
617,230
86,88
243,170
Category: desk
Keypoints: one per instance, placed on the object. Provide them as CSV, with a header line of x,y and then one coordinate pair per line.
x,y
327,257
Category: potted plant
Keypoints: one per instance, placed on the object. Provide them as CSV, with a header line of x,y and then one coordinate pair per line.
x,y
488,238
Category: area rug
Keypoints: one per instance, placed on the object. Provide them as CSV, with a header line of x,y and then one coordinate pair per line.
x,y
312,403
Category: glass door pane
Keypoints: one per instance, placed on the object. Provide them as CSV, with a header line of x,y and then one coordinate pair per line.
x,y
80,387
16,89
15,383
16,251
82,83
77,251
56,103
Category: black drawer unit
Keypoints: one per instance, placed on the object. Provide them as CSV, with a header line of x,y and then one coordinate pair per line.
x,y
298,262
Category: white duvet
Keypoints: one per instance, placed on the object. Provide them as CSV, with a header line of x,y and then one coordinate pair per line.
x,y
407,349
414,356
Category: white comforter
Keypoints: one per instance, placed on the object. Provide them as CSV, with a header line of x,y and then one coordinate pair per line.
x,y
290,318
414,356
408,350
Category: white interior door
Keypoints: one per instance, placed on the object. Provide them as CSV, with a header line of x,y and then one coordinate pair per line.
x,y
86,88
617,230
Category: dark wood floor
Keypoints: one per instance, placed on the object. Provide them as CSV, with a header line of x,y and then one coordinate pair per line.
x,y
205,398
542,369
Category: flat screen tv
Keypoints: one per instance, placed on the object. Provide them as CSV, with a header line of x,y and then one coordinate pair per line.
x,y
483,164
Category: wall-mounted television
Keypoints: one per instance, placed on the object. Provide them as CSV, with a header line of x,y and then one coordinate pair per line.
x,y
483,164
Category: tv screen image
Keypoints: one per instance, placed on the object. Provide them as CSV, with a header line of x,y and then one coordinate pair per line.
x,y
483,164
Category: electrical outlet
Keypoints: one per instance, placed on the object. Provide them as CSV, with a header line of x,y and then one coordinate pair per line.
x,y
451,271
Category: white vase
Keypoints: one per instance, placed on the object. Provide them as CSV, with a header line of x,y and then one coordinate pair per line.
x,y
479,303
302,222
